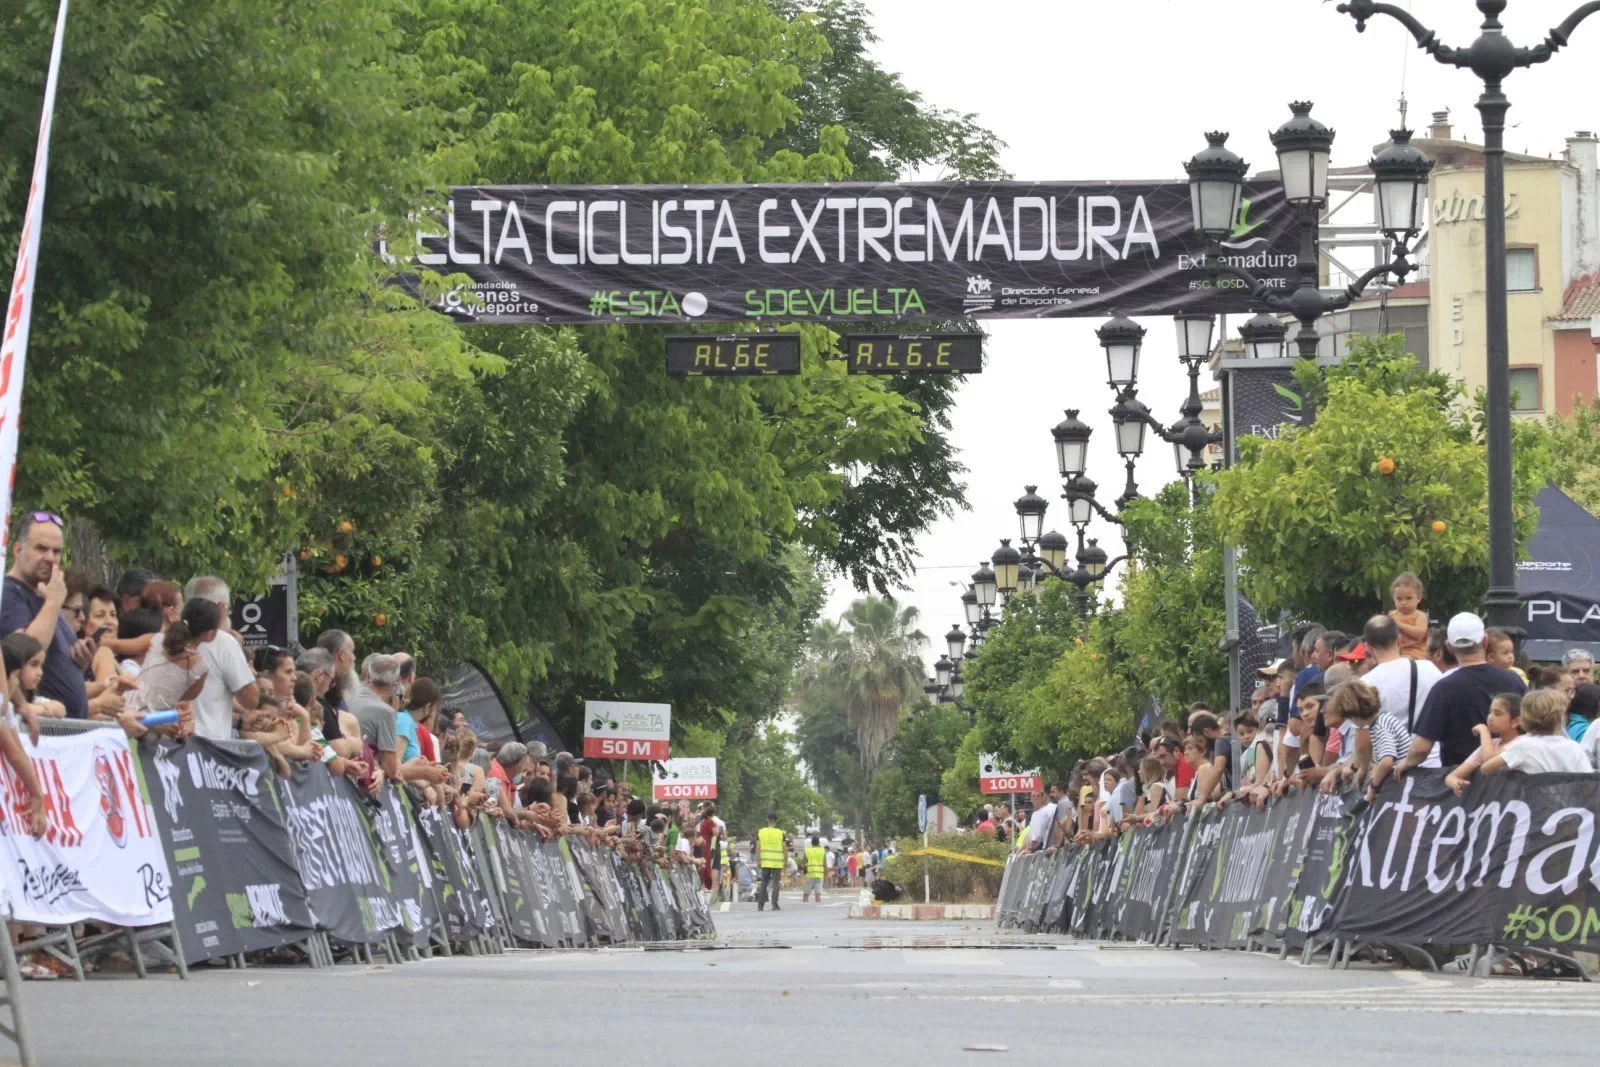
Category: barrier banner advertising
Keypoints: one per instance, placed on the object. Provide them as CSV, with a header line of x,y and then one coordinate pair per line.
x,y
462,901
349,890
410,875
1511,862
685,779
100,856
992,778
614,729
852,251
236,887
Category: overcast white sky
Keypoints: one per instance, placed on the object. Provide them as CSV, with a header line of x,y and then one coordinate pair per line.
x,y
1125,89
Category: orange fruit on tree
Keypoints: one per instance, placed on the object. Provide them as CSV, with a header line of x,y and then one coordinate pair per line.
x,y
305,553
377,561
1386,465
1439,526
339,561
380,620
346,526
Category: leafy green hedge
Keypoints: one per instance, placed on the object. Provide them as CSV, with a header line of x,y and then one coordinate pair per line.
x,y
952,881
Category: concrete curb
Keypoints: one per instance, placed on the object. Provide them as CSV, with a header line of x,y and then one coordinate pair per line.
x,y
923,912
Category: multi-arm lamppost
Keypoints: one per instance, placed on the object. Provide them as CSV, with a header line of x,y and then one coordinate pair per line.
x,y
1492,57
1216,187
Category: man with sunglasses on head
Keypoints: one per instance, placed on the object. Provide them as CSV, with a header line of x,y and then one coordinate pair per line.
x,y
35,589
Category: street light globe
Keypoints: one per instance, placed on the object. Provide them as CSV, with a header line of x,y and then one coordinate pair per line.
x,y
1027,579
1194,335
1080,500
1122,338
1303,146
955,641
1400,172
1007,561
1072,444
1053,549
1128,419
970,607
1263,336
1093,558
941,671
1216,185
958,688
1030,514
983,584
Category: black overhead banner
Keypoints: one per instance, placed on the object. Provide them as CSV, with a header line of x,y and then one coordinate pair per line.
x,y
844,252
236,887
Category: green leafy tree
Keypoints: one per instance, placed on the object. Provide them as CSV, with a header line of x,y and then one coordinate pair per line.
x,y
760,776
1171,618
1574,442
1323,529
925,744
1083,708
1015,662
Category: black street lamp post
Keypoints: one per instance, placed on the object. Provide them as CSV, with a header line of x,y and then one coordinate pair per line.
x,y
1492,57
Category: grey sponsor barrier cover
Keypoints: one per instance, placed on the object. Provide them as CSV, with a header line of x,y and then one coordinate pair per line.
x,y
351,892
410,876
236,883
463,904
259,862
1513,861
1218,878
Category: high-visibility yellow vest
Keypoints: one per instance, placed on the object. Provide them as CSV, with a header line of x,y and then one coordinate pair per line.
x,y
722,852
816,861
770,841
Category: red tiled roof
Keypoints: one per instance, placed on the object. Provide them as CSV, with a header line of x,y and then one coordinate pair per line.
x,y
1582,298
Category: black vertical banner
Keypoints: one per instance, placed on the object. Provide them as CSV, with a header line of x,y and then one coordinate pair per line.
x,y
411,880
1263,400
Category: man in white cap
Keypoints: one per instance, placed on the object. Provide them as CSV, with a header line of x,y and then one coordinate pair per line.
x,y
1460,700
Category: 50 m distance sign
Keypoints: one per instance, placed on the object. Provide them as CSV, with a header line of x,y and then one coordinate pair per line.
x,y
616,729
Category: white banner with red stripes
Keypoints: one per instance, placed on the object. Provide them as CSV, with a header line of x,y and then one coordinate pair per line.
x,y
19,298
99,857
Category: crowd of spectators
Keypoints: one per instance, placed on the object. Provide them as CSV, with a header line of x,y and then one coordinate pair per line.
x,y
1347,711
76,649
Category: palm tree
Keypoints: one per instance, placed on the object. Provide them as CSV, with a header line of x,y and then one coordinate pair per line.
x,y
860,674
880,671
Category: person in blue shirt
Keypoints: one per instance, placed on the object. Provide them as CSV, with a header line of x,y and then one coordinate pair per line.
x,y
35,589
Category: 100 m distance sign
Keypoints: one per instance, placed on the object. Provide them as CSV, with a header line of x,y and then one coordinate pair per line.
x,y
893,353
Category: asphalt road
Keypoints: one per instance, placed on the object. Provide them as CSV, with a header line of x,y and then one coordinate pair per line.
x,y
795,984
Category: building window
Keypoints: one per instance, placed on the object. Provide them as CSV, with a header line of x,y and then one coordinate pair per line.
x,y
1522,270
1526,393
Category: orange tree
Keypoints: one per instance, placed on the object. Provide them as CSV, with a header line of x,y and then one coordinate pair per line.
x,y
1390,477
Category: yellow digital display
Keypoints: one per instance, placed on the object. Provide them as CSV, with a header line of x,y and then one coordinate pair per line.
x,y
735,355
889,353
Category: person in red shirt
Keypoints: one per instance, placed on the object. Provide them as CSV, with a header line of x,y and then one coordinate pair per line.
x,y
708,831
985,823
423,704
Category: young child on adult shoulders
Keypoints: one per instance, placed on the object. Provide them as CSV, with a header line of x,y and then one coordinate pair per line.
x,y
1406,592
